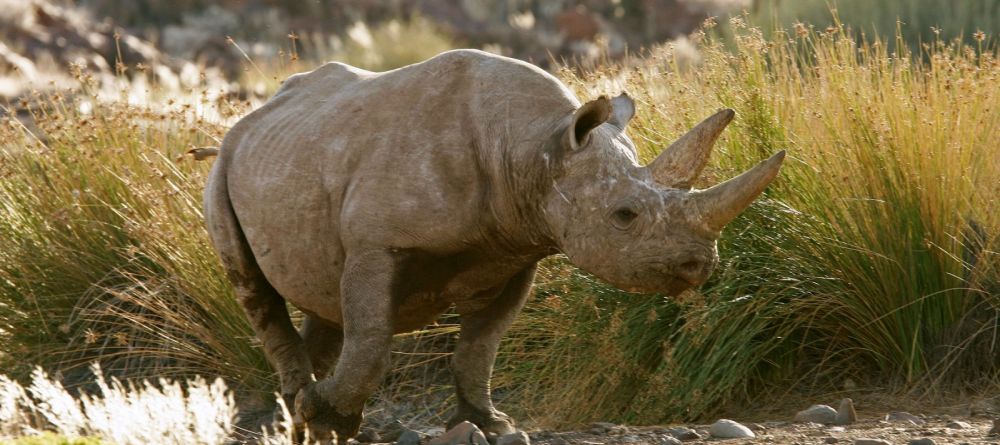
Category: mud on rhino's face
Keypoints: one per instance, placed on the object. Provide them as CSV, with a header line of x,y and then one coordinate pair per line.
x,y
642,228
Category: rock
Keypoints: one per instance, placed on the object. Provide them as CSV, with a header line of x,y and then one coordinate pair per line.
x,y
408,437
958,425
830,439
728,429
601,427
817,413
670,440
368,435
465,433
836,429
866,441
684,433
995,431
922,441
515,438
904,417
846,414
391,431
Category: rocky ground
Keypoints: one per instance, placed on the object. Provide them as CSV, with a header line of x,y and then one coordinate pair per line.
x,y
819,424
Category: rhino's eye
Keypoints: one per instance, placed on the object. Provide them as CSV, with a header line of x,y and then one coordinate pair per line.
x,y
623,218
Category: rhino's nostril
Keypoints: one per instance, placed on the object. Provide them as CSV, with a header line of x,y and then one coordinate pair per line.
x,y
692,271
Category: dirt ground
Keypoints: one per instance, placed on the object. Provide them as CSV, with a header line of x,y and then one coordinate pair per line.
x,y
940,429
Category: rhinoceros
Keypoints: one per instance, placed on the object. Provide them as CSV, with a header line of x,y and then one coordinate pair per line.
x,y
373,202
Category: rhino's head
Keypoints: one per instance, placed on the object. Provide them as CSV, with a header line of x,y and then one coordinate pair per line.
x,y
642,228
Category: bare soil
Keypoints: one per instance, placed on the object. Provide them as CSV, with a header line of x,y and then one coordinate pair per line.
x,y
936,428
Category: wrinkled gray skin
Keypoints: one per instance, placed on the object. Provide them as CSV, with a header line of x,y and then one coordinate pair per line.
x,y
375,201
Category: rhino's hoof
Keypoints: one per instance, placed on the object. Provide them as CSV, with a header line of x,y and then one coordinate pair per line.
x,y
324,422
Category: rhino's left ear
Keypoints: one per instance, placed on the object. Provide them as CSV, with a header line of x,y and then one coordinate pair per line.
x,y
588,117
622,110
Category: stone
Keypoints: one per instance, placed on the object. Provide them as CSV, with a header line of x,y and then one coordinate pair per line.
x,y
670,440
846,414
601,427
830,439
867,441
958,425
904,417
817,413
922,441
368,435
465,433
408,437
515,438
391,431
836,429
684,433
728,429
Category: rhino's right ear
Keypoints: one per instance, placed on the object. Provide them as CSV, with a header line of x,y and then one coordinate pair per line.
x,y
588,117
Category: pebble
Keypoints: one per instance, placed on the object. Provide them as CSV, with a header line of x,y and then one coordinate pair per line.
x,y
465,433
391,431
922,441
903,416
408,437
830,439
846,414
728,429
958,425
818,414
867,441
515,438
684,433
836,429
368,435
670,440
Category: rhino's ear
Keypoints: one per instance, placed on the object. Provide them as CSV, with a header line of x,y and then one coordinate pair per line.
x,y
591,115
622,110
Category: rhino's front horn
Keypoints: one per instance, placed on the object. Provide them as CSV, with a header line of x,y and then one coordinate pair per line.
x,y
724,202
681,163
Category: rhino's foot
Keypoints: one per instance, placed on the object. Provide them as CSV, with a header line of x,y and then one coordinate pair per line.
x,y
496,422
322,418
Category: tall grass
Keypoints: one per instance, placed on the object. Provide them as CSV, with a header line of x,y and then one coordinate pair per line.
x,y
873,258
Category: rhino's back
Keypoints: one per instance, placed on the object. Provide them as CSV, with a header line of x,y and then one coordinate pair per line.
x,y
342,159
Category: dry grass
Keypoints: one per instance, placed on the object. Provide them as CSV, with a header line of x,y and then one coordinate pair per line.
x,y
872,259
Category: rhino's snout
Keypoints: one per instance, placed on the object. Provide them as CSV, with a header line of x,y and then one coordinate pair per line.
x,y
695,271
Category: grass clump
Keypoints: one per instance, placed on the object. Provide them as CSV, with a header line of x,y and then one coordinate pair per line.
x,y
871,262
166,412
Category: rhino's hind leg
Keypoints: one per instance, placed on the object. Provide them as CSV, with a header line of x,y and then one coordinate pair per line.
x,y
264,307
323,341
336,403
476,351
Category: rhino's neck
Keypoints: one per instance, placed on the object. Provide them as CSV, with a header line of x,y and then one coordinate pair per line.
x,y
517,169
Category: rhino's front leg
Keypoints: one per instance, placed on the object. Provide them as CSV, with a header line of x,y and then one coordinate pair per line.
x,y
476,351
367,304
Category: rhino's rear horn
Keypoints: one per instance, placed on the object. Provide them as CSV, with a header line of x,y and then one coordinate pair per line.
x,y
724,202
681,163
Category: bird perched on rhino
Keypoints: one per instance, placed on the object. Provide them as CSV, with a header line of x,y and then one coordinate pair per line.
x,y
373,202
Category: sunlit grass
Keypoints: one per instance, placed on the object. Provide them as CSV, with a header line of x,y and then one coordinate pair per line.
x,y
871,259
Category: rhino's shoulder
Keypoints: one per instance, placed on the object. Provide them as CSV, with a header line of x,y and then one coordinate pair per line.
x,y
328,75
